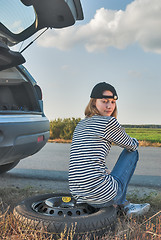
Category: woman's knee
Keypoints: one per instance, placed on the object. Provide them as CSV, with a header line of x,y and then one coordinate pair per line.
x,y
133,156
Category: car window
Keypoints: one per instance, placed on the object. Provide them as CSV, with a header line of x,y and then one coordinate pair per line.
x,y
11,75
15,16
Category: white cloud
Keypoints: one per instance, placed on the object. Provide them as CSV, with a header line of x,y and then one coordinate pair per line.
x,y
16,26
140,23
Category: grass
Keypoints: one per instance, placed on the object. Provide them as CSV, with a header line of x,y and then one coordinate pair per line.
x,y
140,229
145,136
143,228
152,135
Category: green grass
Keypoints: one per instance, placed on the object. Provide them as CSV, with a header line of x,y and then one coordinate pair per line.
x,y
145,134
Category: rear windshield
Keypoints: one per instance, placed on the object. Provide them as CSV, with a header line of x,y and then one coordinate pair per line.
x,y
15,16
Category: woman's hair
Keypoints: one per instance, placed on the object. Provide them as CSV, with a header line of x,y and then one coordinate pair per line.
x,y
92,110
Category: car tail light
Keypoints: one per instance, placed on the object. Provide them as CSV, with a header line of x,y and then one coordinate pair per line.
x,y
40,139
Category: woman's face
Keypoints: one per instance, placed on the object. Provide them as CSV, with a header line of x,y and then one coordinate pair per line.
x,y
106,106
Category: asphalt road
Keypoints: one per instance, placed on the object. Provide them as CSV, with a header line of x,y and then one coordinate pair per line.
x,y
49,168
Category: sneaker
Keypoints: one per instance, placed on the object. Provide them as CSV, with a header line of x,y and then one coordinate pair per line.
x,y
133,209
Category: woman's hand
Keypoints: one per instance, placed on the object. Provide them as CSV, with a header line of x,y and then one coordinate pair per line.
x,y
108,171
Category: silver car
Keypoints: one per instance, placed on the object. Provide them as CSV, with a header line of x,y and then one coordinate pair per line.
x,y
24,128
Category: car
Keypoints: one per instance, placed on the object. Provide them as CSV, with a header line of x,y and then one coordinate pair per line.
x,y
24,128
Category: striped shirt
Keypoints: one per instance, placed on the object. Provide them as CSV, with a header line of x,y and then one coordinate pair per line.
x,y
92,139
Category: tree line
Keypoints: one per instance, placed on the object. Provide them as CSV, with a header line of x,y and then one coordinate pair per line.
x,y
64,128
141,126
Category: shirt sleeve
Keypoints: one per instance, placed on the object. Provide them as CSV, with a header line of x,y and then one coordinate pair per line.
x,y
116,134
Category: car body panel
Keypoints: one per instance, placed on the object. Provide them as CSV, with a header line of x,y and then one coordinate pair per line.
x,y
19,136
24,128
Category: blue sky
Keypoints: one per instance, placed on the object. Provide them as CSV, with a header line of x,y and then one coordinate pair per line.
x,y
119,41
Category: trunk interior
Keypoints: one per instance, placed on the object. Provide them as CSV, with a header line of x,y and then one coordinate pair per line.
x,y
16,93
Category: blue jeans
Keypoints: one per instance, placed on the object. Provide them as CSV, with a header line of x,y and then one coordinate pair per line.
x,y
122,173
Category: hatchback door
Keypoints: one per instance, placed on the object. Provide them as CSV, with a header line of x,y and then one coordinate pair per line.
x,y
21,19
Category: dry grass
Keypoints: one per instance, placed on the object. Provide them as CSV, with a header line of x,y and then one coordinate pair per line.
x,y
149,144
59,140
143,228
131,229
140,228
10,230
141,143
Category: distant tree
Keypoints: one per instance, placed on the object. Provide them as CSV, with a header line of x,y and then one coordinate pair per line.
x,y
56,127
63,128
68,128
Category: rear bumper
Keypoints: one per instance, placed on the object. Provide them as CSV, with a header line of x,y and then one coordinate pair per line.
x,y
22,136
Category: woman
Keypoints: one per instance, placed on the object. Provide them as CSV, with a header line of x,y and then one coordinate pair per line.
x,y
90,180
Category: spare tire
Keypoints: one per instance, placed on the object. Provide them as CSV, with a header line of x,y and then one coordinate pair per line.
x,y
59,213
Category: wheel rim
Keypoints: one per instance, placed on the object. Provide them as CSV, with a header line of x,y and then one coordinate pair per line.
x,y
62,206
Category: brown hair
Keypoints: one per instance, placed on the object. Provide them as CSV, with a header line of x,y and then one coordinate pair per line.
x,y
92,110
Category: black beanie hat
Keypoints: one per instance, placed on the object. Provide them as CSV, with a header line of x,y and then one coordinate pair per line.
x,y
97,91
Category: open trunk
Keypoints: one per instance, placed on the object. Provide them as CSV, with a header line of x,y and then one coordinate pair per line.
x,y
17,94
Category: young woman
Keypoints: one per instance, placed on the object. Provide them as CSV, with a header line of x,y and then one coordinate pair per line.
x,y
90,180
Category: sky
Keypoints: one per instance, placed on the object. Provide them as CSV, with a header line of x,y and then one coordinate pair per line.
x,y
118,42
